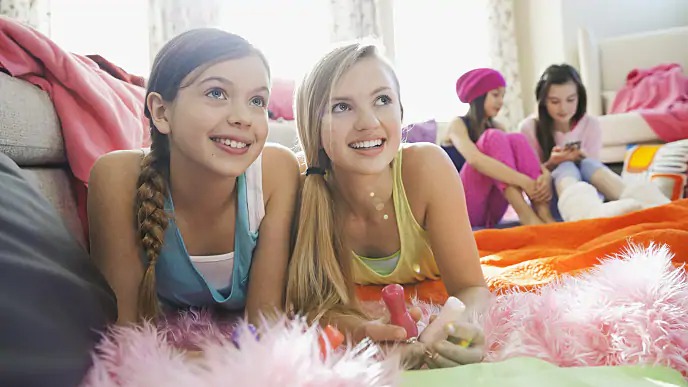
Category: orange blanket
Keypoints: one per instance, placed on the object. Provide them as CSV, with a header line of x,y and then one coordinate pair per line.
x,y
531,256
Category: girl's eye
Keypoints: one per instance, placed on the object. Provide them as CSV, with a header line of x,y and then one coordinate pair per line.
x,y
383,100
216,94
258,101
340,107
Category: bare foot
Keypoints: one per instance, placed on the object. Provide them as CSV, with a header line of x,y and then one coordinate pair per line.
x,y
531,218
542,210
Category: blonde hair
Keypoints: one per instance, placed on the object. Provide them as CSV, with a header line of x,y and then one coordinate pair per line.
x,y
320,279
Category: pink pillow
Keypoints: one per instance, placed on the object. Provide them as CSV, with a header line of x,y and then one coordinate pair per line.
x,y
282,100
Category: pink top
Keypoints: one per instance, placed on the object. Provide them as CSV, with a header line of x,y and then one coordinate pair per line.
x,y
587,131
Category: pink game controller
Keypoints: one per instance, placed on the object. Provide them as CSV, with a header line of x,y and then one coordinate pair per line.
x,y
393,296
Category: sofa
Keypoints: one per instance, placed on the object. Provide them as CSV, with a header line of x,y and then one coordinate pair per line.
x,y
30,135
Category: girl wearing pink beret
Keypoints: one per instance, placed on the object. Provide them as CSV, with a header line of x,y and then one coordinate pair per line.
x,y
496,167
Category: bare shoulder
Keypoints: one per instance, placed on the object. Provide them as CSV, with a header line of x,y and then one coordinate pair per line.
x,y
280,167
118,170
424,167
421,158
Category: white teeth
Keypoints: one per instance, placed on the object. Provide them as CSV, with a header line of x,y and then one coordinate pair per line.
x,y
230,143
366,144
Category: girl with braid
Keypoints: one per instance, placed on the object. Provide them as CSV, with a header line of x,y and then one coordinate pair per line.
x,y
178,226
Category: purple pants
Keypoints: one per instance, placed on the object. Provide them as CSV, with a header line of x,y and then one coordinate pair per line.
x,y
484,195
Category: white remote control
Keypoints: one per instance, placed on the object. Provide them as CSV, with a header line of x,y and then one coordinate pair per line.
x,y
451,311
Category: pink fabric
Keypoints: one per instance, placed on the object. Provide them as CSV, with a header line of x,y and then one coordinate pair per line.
x,y
484,195
98,113
478,82
660,95
281,103
587,131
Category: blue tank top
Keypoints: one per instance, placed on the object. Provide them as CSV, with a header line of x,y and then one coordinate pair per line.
x,y
181,285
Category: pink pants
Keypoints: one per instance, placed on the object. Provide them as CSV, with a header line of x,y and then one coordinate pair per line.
x,y
484,195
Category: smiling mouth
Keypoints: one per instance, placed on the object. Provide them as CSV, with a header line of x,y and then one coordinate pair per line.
x,y
229,142
368,144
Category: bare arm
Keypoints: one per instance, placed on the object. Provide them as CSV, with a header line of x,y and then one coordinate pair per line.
x,y
446,220
269,266
458,135
111,193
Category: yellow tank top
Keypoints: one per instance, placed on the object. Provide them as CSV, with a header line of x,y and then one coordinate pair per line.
x,y
415,259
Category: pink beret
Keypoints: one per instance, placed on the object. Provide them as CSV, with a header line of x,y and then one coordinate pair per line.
x,y
478,82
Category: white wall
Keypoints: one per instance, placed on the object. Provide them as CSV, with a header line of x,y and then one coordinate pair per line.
x,y
547,30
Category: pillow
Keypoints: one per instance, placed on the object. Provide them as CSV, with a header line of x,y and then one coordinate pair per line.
x,y
664,165
281,105
53,299
421,132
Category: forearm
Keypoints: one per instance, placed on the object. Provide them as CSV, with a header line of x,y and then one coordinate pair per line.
x,y
551,165
349,325
477,300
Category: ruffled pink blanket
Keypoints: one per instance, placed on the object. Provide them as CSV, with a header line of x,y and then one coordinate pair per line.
x,y
660,95
630,309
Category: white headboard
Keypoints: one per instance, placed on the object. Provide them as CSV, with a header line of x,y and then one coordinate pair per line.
x,y
605,63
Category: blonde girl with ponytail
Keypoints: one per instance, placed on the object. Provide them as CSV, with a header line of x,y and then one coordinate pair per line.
x,y
367,218
177,226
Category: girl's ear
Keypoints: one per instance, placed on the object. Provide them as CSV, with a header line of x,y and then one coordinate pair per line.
x,y
158,110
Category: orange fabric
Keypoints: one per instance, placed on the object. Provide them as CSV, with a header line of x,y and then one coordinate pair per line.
x,y
527,257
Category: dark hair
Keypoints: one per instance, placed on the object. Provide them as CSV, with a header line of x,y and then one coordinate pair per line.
x,y
555,75
182,55
477,122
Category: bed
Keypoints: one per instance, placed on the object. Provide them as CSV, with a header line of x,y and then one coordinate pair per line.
x,y
604,64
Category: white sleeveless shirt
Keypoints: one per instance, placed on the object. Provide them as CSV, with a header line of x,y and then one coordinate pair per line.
x,y
217,269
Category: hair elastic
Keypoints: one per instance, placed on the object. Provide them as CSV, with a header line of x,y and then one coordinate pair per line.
x,y
315,171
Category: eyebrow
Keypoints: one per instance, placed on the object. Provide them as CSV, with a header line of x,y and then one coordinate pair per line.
x,y
378,90
570,96
230,83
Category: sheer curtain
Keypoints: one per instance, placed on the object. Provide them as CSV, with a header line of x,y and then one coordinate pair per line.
x,y
291,34
435,42
116,29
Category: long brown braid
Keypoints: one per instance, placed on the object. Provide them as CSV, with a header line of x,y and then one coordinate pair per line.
x,y
188,52
151,217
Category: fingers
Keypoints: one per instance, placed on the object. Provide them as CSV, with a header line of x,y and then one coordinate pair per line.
x,y
439,361
412,355
449,353
384,332
416,313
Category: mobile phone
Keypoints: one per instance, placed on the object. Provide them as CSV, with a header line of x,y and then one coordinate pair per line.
x,y
573,145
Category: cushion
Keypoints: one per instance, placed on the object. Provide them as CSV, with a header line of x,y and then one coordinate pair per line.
x,y
54,301
421,132
281,105
284,133
56,185
664,165
29,127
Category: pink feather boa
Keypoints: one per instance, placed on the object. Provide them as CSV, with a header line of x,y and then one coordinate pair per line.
x,y
630,309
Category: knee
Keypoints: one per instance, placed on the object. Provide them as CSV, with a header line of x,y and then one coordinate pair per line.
x,y
588,167
567,168
517,139
492,139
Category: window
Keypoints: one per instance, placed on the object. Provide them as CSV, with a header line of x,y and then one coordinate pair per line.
x,y
115,29
291,34
435,42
